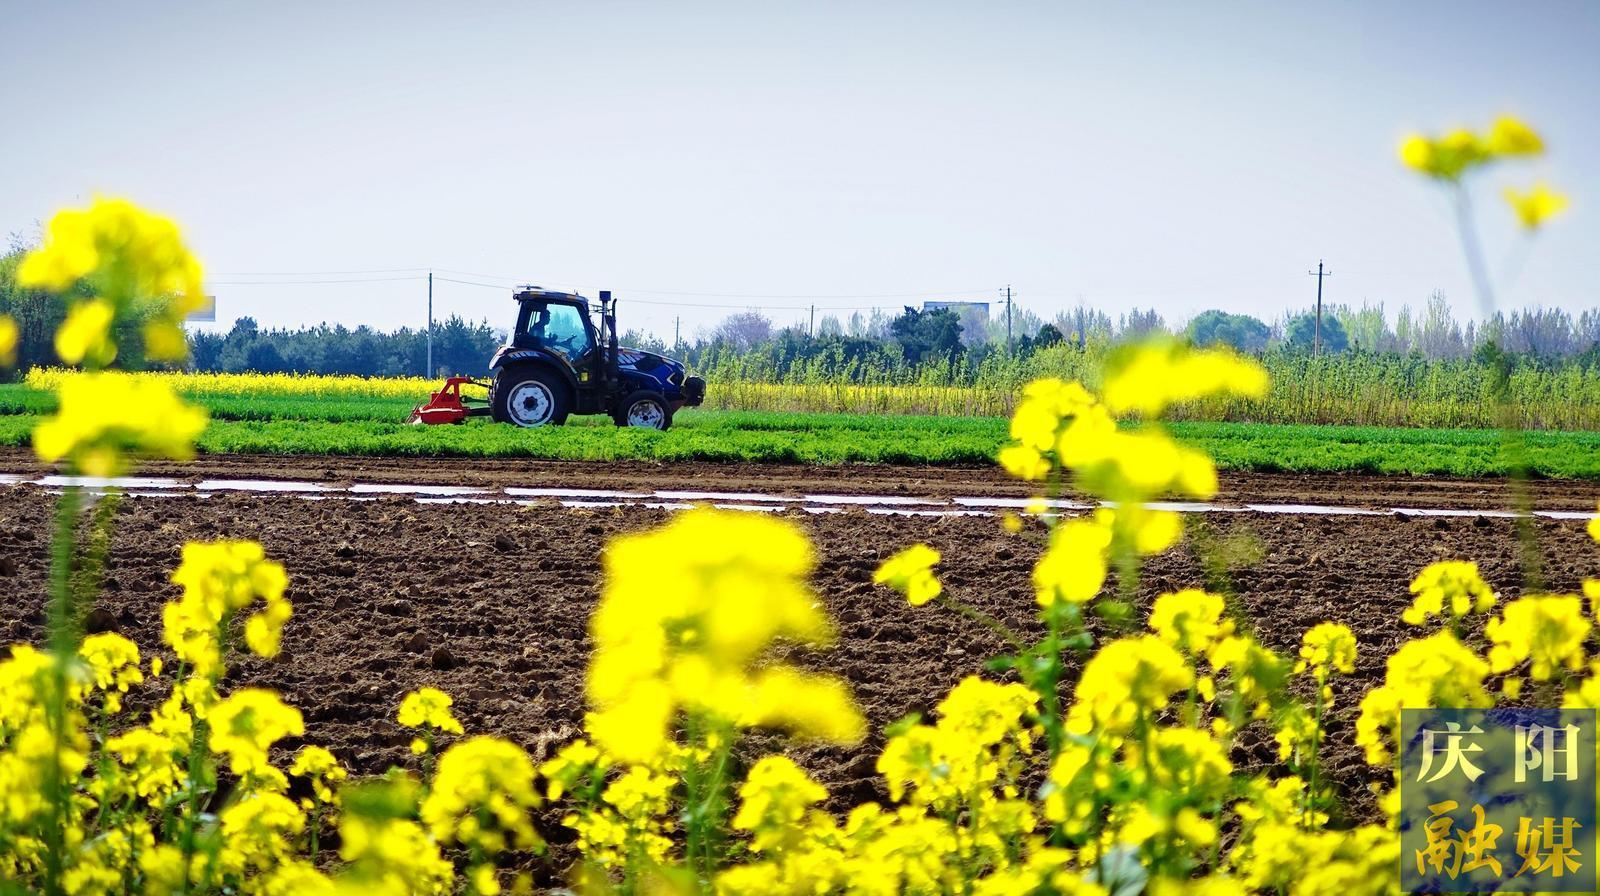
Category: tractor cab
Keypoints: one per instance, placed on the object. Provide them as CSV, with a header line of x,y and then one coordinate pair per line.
x,y
558,362
556,322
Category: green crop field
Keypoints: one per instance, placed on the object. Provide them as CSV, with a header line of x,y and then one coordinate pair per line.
x,y
346,424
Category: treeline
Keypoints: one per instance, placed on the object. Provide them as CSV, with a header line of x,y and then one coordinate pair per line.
x,y
962,346
458,347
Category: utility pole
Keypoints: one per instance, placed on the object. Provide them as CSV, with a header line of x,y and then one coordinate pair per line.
x,y
677,344
1319,273
1008,319
811,329
429,371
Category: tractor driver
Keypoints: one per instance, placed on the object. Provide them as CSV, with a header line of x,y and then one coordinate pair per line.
x,y
561,330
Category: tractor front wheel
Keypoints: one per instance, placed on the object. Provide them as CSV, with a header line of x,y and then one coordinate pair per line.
x,y
530,398
644,409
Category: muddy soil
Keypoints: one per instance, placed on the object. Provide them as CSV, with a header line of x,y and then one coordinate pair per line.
x,y
1357,490
490,602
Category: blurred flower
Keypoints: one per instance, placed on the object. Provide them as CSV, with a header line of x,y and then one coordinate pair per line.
x,y
8,340
134,264
104,418
910,572
1535,206
1546,630
687,613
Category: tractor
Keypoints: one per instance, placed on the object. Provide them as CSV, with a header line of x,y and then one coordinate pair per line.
x,y
557,363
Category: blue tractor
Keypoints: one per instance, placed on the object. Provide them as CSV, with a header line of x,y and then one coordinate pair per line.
x,y
558,363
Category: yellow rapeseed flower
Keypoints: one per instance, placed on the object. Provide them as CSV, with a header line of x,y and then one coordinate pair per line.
x,y
220,578
1074,567
127,258
1511,136
1536,205
106,418
910,572
1546,630
687,614
482,796
1423,673
85,336
247,723
1127,678
8,340
773,800
1327,647
428,708
1448,587
1190,620
321,768
114,663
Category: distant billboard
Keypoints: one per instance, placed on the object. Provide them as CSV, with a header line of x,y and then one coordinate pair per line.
x,y
206,314
960,308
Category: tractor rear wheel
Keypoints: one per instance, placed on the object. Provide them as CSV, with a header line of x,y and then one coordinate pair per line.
x,y
644,408
530,397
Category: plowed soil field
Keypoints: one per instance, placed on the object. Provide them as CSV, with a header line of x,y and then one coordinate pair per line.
x,y
490,601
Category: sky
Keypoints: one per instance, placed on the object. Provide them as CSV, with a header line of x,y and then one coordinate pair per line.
x,y
700,159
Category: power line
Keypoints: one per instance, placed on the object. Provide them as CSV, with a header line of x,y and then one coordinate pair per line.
x,y
308,282
314,273
736,307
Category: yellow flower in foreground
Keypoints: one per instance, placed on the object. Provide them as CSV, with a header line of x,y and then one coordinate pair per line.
x,y
774,800
8,340
248,723
85,336
481,797
1074,568
910,572
1548,631
1448,587
1190,620
428,708
106,417
114,663
1446,157
1424,673
219,578
688,613
1511,136
136,266
1165,372
1535,206
1328,646
113,238
1127,678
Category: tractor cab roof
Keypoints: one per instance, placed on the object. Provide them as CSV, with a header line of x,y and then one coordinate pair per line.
x,y
539,294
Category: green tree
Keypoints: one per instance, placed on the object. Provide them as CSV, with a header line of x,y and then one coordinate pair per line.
x,y
1301,334
1241,331
927,334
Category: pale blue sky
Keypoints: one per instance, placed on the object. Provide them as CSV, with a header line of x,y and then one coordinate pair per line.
x,y
1182,155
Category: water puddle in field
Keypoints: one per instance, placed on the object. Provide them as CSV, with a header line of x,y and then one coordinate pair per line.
x,y
437,491
669,499
265,486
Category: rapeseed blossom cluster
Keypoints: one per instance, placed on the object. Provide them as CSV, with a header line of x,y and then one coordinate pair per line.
x,y
1450,156
9,335
1448,587
910,572
132,265
220,579
107,420
687,616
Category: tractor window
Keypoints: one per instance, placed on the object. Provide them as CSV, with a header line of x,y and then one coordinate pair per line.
x,y
562,328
